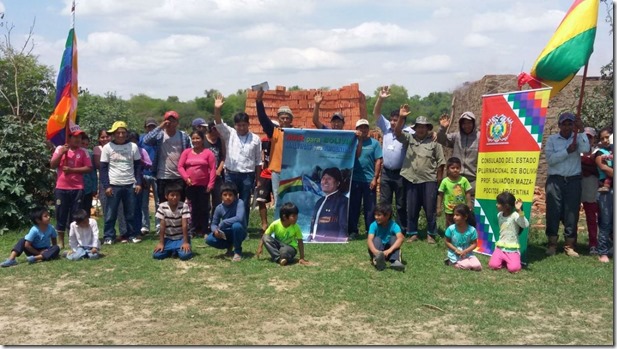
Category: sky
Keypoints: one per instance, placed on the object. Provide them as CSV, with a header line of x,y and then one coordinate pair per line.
x,y
182,48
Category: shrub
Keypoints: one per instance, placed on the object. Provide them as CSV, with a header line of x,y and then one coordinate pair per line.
x,y
26,179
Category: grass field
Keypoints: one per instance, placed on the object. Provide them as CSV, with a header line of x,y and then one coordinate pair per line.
x,y
129,298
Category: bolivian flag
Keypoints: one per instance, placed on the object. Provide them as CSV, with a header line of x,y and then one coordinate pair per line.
x,y
569,48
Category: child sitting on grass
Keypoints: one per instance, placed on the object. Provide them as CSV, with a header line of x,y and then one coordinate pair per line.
x,y
283,238
511,224
461,240
39,244
173,215
381,242
83,237
228,228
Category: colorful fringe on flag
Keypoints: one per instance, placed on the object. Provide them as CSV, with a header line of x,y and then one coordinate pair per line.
x,y
66,94
568,50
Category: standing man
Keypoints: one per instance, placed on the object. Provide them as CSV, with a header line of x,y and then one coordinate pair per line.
x,y
275,133
391,184
366,170
336,122
563,185
149,180
170,143
422,172
243,159
464,144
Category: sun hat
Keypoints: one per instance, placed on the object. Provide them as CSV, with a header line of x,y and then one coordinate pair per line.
x,y
117,125
422,120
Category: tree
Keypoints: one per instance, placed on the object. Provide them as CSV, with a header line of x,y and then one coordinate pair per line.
x,y
26,87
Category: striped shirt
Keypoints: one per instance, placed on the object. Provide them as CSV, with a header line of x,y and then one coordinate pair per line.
x,y
173,219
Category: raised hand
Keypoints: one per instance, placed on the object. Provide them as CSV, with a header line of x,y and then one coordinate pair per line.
x,y
518,204
385,92
444,121
218,102
318,97
260,95
404,111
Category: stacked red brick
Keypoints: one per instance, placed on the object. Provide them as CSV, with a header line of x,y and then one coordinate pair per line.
x,y
348,100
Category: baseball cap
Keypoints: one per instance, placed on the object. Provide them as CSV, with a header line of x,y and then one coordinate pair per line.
x,y
566,116
172,114
590,131
284,110
149,122
76,131
117,125
361,122
199,122
338,116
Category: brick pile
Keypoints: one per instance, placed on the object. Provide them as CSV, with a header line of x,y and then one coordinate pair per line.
x,y
348,100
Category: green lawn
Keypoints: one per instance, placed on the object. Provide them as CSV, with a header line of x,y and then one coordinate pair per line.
x,y
129,298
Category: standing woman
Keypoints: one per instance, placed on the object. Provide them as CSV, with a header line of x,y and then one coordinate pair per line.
x,y
197,166
217,147
103,139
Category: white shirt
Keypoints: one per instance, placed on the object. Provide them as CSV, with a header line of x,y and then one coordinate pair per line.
x,y
84,237
243,152
120,158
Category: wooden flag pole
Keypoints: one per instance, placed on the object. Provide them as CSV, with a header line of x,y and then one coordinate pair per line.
x,y
580,104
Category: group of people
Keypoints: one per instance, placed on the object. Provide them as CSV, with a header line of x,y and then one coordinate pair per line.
x,y
203,182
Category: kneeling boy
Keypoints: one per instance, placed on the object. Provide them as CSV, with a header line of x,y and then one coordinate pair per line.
x,y
228,226
173,237
283,237
380,240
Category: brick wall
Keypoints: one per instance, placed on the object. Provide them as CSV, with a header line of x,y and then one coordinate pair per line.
x,y
348,100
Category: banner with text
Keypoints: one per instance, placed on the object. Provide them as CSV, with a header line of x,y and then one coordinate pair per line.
x,y
315,175
509,150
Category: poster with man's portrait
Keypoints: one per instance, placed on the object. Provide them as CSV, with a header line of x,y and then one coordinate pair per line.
x,y
316,175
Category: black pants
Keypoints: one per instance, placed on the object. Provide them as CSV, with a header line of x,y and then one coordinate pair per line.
x,y
50,253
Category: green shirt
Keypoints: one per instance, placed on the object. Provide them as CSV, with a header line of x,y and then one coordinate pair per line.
x,y
422,158
287,235
454,192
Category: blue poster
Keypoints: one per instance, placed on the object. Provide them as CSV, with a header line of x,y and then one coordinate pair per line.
x,y
316,175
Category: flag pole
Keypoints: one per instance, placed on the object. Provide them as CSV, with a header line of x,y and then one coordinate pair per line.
x,y
67,125
580,103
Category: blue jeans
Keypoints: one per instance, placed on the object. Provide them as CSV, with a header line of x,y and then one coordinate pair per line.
x,y
245,182
124,194
392,186
82,253
361,194
148,182
235,235
421,195
563,202
393,257
172,247
605,222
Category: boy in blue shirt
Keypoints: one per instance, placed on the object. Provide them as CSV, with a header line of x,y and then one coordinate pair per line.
x,y
380,240
283,238
40,243
228,229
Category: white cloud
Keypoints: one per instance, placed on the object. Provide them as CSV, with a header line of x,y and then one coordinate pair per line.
x,y
293,59
442,12
429,64
108,43
374,35
517,20
2,8
264,31
475,40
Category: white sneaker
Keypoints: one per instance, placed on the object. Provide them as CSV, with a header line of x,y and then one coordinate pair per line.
x,y
135,240
107,242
